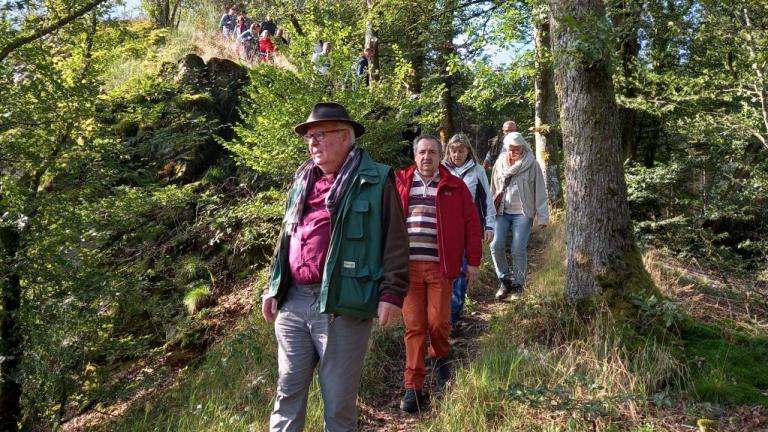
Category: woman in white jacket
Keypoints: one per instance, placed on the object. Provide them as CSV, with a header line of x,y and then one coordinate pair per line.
x,y
517,183
461,161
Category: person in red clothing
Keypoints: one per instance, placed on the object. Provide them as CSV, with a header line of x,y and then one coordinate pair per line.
x,y
443,225
266,47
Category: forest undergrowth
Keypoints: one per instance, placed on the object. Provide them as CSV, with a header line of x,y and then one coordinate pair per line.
x,y
531,364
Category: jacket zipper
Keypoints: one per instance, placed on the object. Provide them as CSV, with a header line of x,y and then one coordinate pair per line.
x,y
439,229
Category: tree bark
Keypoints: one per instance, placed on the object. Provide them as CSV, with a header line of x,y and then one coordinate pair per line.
x,y
600,253
546,130
296,25
624,19
11,341
760,86
20,41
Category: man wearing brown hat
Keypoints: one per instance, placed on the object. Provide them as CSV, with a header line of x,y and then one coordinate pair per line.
x,y
341,260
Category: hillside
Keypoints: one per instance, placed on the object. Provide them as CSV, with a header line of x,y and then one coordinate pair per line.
x,y
526,365
143,178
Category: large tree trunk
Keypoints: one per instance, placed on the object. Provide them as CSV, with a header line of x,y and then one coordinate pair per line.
x,y
546,129
625,19
601,256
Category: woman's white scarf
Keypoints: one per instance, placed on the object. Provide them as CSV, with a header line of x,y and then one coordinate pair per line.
x,y
460,171
503,171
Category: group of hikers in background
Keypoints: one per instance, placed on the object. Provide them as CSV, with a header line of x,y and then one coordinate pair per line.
x,y
254,41
262,41
361,241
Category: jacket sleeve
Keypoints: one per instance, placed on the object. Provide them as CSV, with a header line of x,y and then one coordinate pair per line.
x,y
540,194
473,232
490,209
396,252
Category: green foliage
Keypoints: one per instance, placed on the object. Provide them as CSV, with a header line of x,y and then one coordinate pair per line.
x,y
279,99
198,296
728,365
700,193
591,41
655,309
560,399
229,388
494,106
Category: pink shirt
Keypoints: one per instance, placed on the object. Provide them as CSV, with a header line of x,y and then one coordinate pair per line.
x,y
312,236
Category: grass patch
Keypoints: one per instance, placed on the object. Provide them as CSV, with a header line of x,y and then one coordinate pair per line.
x,y
729,366
545,367
230,388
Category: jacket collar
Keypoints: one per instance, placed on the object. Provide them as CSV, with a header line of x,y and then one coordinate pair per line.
x,y
446,178
367,170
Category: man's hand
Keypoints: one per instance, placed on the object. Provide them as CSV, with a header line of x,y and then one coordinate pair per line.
x,y
389,314
269,308
486,164
472,273
489,236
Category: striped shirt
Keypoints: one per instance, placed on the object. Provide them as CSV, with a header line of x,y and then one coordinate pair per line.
x,y
422,219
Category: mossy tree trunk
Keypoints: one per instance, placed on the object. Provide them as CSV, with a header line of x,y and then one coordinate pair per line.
x,y
601,255
546,128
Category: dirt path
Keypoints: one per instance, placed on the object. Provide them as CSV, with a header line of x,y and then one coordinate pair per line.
x,y
384,414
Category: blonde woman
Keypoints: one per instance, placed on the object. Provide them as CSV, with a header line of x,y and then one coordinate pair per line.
x,y
461,161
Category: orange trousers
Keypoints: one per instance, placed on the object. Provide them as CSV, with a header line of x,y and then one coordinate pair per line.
x,y
426,309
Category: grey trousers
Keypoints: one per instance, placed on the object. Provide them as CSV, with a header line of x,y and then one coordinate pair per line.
x,y
306,338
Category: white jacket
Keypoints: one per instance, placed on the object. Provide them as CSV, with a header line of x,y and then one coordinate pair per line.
x,y
475,178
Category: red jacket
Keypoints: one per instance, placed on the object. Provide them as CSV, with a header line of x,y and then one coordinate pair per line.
x,y
458,225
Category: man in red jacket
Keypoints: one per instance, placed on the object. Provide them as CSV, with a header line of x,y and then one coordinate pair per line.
x,y
442,223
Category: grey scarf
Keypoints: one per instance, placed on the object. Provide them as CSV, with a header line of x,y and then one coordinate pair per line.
x,y
306,176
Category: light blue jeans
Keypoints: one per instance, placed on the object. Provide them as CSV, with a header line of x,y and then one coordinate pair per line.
x,y
520,226
459,292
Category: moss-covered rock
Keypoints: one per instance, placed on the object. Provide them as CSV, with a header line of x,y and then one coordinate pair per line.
x,y
127,128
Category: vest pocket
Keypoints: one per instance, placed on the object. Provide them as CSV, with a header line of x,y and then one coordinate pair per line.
x,y
356,219
358,291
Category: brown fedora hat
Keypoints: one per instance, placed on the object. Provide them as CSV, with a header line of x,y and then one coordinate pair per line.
x,y
328,111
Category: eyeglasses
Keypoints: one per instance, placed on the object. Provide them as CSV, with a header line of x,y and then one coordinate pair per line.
x,y
320,136
515,149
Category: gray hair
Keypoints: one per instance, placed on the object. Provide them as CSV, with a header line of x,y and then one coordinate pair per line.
x,y
516,138
428,137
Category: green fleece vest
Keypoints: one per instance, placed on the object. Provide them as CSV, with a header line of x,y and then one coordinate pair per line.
x,y
353,268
